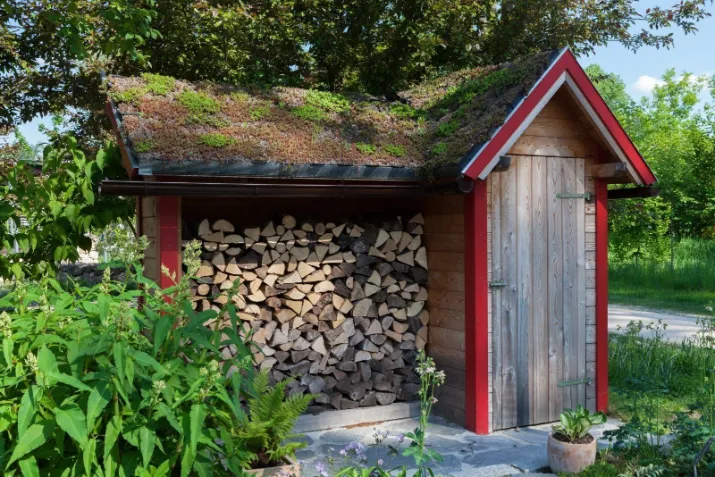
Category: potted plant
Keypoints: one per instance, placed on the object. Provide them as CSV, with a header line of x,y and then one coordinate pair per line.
x,y
264,432
570,447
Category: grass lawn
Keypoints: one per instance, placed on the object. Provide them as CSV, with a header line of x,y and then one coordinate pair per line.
x,y
687,285
661,298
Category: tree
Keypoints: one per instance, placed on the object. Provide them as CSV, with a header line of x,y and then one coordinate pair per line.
x,y
675,132
48,212
51,51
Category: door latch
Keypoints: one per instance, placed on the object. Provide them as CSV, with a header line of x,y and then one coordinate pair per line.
x,y
497,284
569,195
575,382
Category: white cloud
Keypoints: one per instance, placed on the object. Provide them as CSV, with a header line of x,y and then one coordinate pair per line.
x,y
645,84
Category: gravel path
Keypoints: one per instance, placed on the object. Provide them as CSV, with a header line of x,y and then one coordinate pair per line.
x,y
680,326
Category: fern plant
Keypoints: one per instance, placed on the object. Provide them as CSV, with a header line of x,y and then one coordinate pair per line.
x,y
269,422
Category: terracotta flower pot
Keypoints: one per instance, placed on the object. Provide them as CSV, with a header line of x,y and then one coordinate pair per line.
x,y
568,457
290,469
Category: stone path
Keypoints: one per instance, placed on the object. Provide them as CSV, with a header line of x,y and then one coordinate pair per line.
x,y
680,326
504,453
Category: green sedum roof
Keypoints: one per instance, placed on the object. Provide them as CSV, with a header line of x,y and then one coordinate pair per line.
x,y
436,124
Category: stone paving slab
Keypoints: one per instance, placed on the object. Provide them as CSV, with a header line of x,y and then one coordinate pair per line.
x,y
500,454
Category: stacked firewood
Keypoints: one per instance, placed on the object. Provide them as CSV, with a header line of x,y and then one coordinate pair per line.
x,y
338,307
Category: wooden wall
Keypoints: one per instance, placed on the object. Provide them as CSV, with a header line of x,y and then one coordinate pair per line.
x,y
444,237
150,229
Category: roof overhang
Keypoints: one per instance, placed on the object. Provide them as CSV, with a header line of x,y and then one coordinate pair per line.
x,y
565,71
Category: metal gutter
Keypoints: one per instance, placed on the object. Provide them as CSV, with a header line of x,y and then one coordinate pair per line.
x,y
228,189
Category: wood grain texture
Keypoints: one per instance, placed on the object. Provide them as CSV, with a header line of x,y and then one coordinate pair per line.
x,y
524,307
540,391
496,293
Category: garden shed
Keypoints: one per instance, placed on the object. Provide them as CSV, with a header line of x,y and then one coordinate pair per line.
x,y
466,216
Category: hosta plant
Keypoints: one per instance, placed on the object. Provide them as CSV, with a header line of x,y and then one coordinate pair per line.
x,y
574,425
93,385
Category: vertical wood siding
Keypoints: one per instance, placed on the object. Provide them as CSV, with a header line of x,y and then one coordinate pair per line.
x,y
444,238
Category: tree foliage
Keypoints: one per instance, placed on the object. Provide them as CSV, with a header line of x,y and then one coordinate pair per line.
x,y
674,129
51,51
48,210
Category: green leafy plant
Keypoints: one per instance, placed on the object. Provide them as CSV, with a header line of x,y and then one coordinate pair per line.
x,y
309,113
439,148
574,425
129,95
394,150
197,102
365,148
92,385
447,128
159,84
262,435
47,213
260,112
208,120
216,140
143,146
327,101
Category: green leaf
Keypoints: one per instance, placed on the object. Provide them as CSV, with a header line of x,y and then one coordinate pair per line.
x,y
118,350
98,399
71,419
187,462
7,345
28,408
89,456
69,380
165,411
161,331
147,441
114,429
34,437
46,361
29,468
145,360
196,423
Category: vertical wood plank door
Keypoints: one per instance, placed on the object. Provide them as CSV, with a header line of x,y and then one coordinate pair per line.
x,y
538,290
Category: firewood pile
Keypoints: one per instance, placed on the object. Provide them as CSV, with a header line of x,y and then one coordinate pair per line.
x,y
338,307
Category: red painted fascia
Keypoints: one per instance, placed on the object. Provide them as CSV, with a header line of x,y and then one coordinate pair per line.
x,y
169,254
476,308
601,295
567,63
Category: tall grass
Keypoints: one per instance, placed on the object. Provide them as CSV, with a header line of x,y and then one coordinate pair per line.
x,y
685,283
683,372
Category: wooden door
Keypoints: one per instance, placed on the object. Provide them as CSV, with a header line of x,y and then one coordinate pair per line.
x,y
538,290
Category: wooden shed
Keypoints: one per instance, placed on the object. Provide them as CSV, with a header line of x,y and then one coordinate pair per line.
x,y
473,205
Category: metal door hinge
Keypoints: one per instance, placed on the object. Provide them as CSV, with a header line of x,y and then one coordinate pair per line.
x,y
568,195
575,382
497,284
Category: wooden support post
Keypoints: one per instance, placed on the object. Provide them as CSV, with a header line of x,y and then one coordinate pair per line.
x,y
601,295
476,310
609,170
169,254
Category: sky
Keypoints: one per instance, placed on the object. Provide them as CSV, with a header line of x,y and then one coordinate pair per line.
x,y
641,71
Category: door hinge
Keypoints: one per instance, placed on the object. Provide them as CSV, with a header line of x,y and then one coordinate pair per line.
x,y
568,195
497,284
575,382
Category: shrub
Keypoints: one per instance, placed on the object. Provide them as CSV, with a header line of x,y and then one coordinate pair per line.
x,y
216,140
365,148
394,150
309,113
327,101
86,391
198,103
159,84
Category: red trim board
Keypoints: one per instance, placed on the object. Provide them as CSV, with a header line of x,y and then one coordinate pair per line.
x,y
169,255
601,295
566,63
476,307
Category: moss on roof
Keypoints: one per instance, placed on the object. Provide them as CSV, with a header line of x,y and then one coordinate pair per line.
x,y
435,124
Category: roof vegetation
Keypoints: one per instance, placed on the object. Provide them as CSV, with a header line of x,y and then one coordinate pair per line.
x,y
433,124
